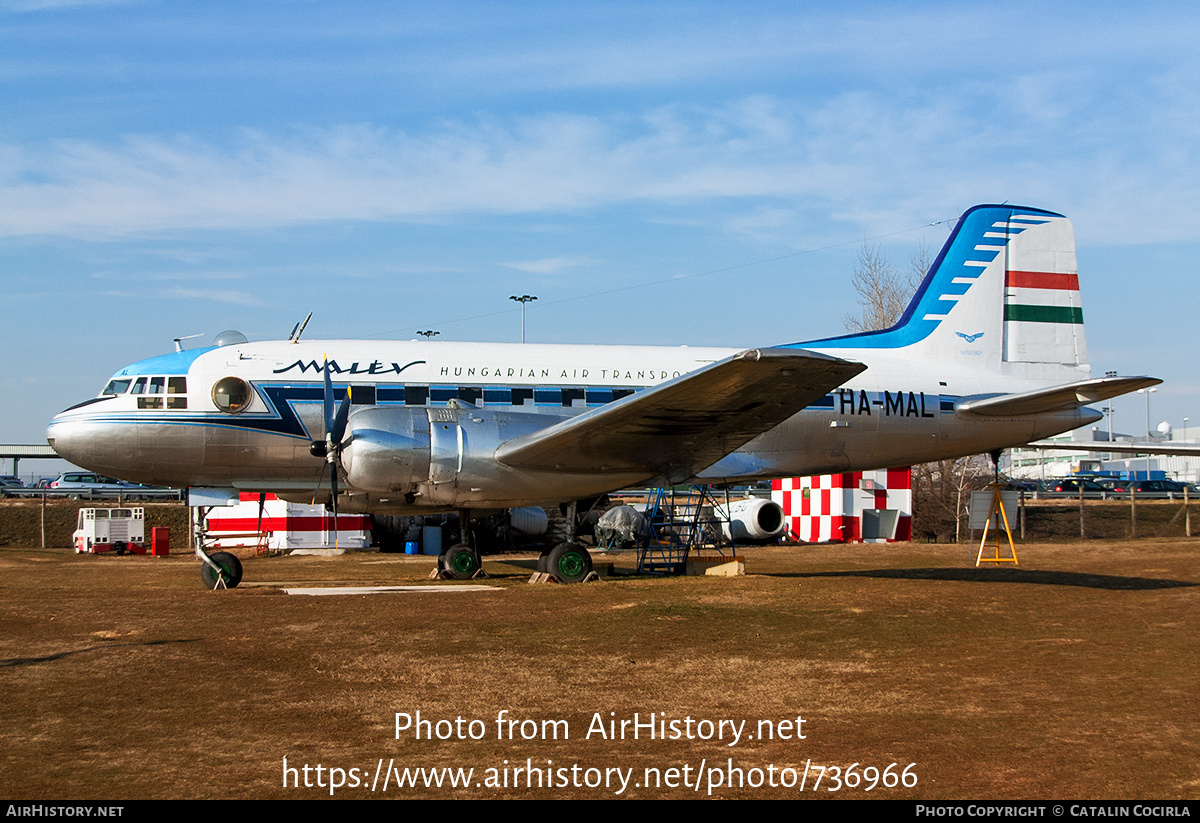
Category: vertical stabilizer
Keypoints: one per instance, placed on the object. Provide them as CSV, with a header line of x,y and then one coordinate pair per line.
x,y
1004,289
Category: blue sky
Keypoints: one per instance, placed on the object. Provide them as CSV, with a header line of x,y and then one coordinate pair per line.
x,y
699,173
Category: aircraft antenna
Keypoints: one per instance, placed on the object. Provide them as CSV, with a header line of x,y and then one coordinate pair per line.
x,y
179,340
298,329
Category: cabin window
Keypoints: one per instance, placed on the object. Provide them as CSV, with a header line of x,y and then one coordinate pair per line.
x,y
231,395
362,395
176,389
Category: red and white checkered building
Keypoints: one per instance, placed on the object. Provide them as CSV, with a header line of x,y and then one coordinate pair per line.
x,y
831,508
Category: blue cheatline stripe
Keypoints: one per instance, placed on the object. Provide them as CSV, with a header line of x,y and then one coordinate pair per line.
x,y
980,226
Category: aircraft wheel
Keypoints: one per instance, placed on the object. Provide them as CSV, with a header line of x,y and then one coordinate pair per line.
x,y
119,547
569,562
231,570
461,561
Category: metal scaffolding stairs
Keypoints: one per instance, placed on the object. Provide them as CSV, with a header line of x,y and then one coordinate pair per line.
x,y
678,522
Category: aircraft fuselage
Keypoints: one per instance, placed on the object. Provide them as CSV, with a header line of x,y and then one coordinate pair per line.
x,y
175,420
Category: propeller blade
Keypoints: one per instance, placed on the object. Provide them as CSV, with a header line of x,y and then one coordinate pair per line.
x,y
335,429
328,397
333,482
338,429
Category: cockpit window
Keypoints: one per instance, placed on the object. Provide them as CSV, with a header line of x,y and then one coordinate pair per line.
x,y
116,387
231,394
157,384
139,386
176,388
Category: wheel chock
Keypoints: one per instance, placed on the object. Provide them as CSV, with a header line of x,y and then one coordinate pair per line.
x,y
547,577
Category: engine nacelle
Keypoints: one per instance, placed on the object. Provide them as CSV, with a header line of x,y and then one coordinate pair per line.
x,y
754,519
386,450
398,458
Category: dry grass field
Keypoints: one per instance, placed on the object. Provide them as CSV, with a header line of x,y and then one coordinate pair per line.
x,y
1074,675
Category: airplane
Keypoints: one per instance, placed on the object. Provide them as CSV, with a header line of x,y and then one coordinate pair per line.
x,y
989,354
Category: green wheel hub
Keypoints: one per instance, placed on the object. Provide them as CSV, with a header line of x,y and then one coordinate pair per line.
x,y
464,563
569,562
571,565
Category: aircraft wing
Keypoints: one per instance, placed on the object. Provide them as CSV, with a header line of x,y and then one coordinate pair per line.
x,y
1123,447
1053,399
681,426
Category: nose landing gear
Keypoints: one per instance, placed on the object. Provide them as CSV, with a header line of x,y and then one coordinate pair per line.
x,y
220,570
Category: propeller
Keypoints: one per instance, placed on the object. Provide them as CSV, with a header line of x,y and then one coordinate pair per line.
x,y
331,447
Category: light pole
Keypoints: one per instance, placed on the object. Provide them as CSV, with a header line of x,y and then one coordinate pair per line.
x,y
1108,412
523,299
1147,392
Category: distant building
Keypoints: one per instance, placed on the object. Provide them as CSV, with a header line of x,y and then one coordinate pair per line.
x,y
1042,464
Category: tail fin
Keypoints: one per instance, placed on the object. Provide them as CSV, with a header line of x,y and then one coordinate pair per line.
x,y
1004,289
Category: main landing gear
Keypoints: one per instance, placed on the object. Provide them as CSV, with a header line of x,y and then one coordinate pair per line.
x,y
567,563
460,562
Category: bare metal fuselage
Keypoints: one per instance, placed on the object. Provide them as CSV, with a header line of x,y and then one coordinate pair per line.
x,y
430,416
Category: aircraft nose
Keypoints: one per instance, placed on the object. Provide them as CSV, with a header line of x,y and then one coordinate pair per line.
x,y
88,442
63,436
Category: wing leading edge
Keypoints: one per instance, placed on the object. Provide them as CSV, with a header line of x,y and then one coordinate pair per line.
x,y
686,424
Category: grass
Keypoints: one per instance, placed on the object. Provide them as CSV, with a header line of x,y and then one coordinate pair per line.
x,y
1072,676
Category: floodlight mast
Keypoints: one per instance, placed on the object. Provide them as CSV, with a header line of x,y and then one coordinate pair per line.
x,y
523,299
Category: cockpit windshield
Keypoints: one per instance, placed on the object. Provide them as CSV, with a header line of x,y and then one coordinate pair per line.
x,y
116,387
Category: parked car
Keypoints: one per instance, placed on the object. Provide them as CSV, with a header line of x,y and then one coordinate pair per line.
x,y
1157,488
93,485
1074,485
1025,485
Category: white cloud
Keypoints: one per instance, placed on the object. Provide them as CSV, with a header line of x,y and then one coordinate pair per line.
x,y
869,157
549,265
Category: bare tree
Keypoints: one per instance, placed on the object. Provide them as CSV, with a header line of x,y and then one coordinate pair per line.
x,y
918,266
941,493
882,295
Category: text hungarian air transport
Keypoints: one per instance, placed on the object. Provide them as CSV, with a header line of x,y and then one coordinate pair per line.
x,y
989,354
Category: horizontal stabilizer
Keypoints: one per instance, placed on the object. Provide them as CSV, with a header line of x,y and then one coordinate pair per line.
x,y
1051,400
686,424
